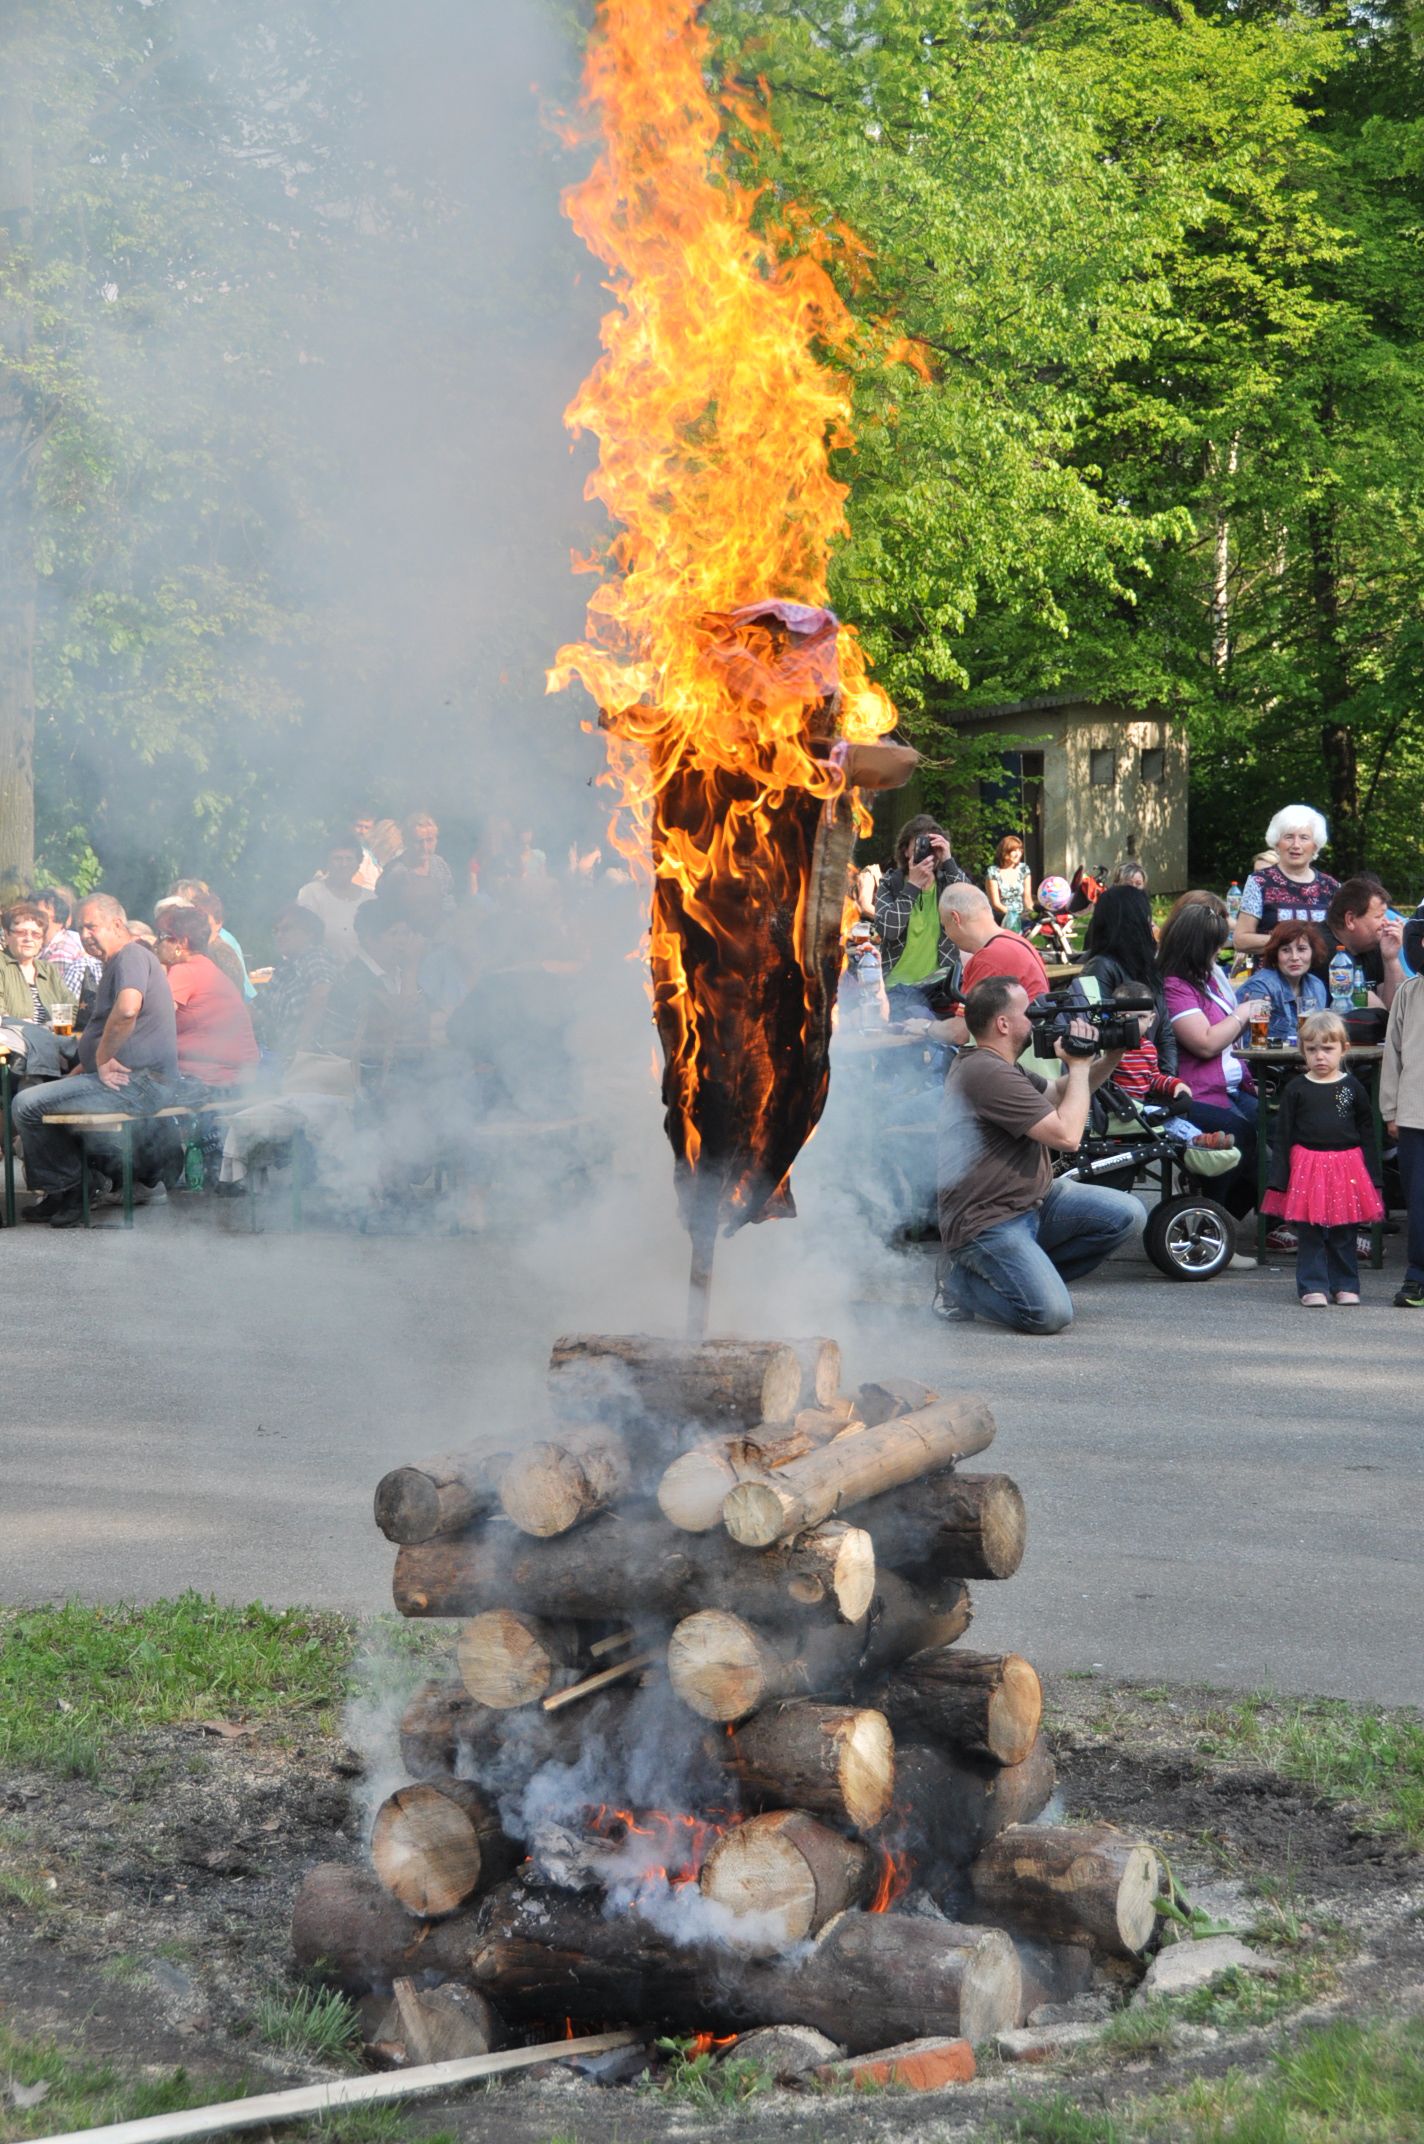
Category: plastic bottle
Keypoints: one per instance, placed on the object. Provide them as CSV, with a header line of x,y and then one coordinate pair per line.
x,y
1233,901
1342,981
1359,995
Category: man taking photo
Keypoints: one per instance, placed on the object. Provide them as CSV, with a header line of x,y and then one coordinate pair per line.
x,y
1013,1238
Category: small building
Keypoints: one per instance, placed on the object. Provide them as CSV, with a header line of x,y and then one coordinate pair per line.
x,y
1091,783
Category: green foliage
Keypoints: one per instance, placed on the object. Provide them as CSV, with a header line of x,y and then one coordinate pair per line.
x,y
317,2023
72,1676
707,2080
1342,1752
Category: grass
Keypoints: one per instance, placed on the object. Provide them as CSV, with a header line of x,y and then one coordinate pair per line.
x,y
318,2024
1373,1758
71,1677
706,2081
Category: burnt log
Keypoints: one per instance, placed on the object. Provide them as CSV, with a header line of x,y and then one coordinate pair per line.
x,y
947,1807
961,1525
837,1760
726,1384
438,1496
1071,1883
987,1705
853,1469
782,1876
433,1845
352,1932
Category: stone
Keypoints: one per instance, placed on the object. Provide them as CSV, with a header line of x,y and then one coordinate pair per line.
x,y
785,2052
917,2065
1042,2043
1182,1967
1086,2009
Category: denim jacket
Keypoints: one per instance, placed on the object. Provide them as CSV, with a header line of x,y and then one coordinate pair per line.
x,y
1285,1020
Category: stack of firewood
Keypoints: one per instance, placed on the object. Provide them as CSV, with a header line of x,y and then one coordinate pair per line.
x,y
717,1557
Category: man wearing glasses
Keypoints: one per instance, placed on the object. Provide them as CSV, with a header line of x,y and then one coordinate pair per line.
x,y
128,1060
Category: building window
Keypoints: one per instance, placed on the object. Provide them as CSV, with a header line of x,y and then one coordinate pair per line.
x,y
1102,766
1153,765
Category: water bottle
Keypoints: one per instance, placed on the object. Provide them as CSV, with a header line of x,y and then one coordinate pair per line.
x,y
1359,995
1342,981
1233,902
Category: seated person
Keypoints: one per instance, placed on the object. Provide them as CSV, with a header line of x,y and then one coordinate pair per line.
x,y
422,859
128,1061
1357,922
377,1017
1284,979
335,894
29,984
216,1044
1013,1237
63,946
1140,1072
1209,1025
289,1013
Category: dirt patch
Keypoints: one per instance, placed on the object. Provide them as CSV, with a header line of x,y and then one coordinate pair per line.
x,y
144,1915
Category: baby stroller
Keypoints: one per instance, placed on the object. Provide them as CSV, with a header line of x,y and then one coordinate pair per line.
x,y
1189,1234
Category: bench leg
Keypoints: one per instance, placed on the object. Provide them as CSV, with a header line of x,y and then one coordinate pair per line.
x,y
84,1180
126,1152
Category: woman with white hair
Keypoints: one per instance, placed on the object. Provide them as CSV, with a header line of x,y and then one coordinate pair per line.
x,y
1290,890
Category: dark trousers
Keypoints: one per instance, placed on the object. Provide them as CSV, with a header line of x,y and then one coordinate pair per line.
x,y
1325,1260
1411,1176
1237,1192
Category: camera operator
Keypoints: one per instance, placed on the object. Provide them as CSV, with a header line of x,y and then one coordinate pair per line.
x,y
914,949
1012,1237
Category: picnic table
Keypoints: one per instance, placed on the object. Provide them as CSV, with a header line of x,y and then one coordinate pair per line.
x,y
1272,1066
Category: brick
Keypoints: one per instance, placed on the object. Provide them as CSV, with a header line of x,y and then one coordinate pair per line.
x,y
919,2065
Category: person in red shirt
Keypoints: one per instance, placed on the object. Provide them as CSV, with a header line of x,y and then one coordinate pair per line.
x,y
985,948
216,1044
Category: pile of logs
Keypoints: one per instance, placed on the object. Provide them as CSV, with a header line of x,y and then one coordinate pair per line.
x,y
717,1561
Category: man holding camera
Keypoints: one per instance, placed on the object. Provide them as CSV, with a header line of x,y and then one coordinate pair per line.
x,y
1012,1237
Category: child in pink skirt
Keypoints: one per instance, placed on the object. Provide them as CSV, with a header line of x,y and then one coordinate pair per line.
x,y
1324,1176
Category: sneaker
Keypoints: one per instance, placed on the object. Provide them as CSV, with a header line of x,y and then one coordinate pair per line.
x,y
1410,1296
1282,1239
69,1213
48,1205
1214,1142
945,1307
1364,1247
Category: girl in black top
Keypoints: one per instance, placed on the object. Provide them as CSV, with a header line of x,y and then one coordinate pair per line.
x,y
1324,1170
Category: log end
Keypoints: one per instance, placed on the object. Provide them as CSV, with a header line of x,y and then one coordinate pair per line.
x,y
866,1766
757,1513
544,1491
1015,1711
425,1851
718,1665
407,1505
506,1659
991,1991
1137,1898
692,1490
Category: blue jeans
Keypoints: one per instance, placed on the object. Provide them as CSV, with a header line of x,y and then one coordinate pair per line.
x,y
1325,1260
52,1153
1411,1177
1015,1273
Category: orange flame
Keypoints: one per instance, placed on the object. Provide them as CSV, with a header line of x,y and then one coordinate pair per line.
x,y
680,1842
893,1881
703,2043
716,412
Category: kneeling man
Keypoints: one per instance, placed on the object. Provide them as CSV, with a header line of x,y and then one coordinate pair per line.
x,y
1013,1237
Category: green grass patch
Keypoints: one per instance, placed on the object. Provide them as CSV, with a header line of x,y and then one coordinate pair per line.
x,y
71,1677
707,2081
82,2094
1340,1752
318,2024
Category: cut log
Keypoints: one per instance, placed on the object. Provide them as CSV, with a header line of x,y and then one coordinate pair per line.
x,y
438,1496
443,2024
838,1760
626,1560
946,1807
434,1845
1071,1883
892,1396
961,1525
783,1876
509,1659
695,1486
869,1980
987,1705
727,1384
853,1469
725,1667
1052,1973
349,1930
820,1362
554,1486
445,1732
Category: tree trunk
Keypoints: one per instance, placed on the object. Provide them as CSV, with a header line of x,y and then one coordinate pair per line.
x,y
960,1525
17,443
1071,1884
551,1487
625,1565
345,1926
724,1667
438,1496
783,1876
838,1760
727,1384
947,1807
432,1847
985,1705
1337,736
507,1659
854,1468
870,1980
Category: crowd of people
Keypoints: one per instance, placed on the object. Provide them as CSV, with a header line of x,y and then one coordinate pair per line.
x,y
381,1034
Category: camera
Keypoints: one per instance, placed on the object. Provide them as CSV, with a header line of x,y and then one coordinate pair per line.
x,y
923,849
1115,1026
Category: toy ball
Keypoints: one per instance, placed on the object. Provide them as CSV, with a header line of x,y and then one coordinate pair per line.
x,y
1054,893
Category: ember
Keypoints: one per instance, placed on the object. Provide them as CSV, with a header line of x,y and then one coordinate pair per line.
x,y
734,702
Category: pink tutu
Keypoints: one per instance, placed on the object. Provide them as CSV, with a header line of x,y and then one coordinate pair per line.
x,y
1328,1190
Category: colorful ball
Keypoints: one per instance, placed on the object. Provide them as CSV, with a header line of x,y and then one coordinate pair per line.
x,y
1054,892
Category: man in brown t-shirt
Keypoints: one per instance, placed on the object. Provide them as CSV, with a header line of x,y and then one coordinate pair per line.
x,y
1012,1237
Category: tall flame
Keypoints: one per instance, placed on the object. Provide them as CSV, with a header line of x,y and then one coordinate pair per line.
x,y
716,410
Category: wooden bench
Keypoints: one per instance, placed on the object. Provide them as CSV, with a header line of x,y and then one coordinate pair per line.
x,y
121,1123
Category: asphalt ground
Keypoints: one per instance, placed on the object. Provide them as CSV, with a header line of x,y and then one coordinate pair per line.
x,y
1222,1488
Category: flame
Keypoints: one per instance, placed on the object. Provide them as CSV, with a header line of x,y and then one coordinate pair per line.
x,y
893,1882
704,2043
720,395
678,1843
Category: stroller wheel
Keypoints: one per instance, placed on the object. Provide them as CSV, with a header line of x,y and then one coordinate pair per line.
x,y
1189,1238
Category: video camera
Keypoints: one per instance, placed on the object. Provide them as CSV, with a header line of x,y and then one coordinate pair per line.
x,y
1115,1025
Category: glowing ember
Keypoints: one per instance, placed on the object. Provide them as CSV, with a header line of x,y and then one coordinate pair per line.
x,y
671,1846
725,686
